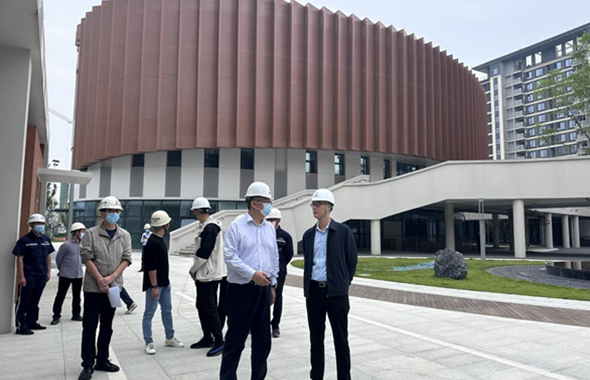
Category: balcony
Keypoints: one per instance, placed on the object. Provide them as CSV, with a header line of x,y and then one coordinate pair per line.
x,y
516,81
519,136
519,124
518,113
518,102
517,91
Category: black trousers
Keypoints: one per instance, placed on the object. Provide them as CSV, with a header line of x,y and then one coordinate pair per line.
x,y
278,306
96,308
248,308
207,308
221,307
318,305
125,297
62,290
27,304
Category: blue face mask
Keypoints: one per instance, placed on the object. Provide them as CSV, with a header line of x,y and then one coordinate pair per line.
x,y
266,209
39,229
112,217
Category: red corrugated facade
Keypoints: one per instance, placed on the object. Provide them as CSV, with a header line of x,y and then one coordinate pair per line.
x,y
184,74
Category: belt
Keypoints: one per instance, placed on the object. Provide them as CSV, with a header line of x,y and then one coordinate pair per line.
x,y
321,284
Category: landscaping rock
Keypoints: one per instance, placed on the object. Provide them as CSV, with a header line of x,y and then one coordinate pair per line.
x,y
449,263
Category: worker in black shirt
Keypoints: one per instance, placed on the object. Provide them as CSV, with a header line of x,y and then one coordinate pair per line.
x,y
285,246
156,283
207,271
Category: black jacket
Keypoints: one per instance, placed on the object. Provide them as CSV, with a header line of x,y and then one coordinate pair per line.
x,y
341,258
285,246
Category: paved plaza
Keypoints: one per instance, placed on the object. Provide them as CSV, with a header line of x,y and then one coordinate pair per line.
x,y
389,340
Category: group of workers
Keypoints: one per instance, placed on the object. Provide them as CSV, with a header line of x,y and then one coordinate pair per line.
x,y
238,275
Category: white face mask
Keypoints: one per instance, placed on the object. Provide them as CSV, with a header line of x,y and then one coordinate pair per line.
x,y
81,235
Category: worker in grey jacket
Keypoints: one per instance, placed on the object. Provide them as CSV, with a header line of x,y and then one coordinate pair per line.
x,y
69,265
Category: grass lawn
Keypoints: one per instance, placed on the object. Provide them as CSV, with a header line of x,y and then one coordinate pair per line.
x,y
477,277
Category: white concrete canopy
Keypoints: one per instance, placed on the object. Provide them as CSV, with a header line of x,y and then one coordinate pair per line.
x,y
63,176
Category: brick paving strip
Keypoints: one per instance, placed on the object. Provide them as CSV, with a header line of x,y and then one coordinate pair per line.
x,y
467,305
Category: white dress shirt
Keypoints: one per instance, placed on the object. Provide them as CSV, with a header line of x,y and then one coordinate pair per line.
x,y
249,248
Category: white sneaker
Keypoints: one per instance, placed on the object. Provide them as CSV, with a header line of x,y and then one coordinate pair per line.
x,y
150,349
174,343
131,307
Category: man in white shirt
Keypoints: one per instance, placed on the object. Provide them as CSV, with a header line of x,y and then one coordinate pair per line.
x,y
252,260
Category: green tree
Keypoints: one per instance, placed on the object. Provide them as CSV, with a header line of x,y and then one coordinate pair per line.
x,y
570,94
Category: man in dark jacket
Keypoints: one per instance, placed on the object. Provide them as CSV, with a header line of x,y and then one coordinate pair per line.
x,y
330,257
285,246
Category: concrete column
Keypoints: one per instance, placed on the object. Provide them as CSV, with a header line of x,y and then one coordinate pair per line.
x,y
511,229
496,230
548,231
577,265
576,231
376,237
15,82
518,229
450,226
565,228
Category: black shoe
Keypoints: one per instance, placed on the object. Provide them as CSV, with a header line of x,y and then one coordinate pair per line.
x,y
203,343
276,332
37,326
106,366
216,350
24,331
77,318
141,270
86,374
54,321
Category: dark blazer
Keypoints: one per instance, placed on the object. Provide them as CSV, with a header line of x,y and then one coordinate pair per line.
x,y
341,258
285,246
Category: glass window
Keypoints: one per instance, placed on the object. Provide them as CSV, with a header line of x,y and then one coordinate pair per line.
x,y
541,107
496,108
365,165
528,75
559,77
149,207
558,51
569,47
338,164
542,118
543,153
561,138
538,72
138,160
497,119
538,58
574,149
531,120
559,114
247,159
530,97
132,208
174,158
532,132
560,151
530,109
311,158
558,65
172,208
542,142
573,136
496,97
561,126
495,71
529,86
533,154
529,60
532,143
569,73
185,209
572,124
211,158
495,86
386,169
568,62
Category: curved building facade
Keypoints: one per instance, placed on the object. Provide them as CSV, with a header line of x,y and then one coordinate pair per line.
x,y
178,99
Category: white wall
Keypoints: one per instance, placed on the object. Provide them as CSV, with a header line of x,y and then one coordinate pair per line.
x,y
120,176
191,173
229,173
154,175
352,165
264,166
94,184
325,168
15,83
295,170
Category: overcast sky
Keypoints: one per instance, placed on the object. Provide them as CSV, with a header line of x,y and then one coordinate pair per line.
x,y
473,31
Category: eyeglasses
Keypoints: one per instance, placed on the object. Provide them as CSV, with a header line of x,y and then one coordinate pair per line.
x,y
316,204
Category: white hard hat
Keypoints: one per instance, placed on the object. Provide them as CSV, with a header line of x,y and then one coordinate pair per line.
x,y
36,218
324,195
275,213
147,226
200,203
160,218
110,202
258,189
77,226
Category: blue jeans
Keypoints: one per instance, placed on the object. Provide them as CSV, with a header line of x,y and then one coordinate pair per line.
x,y
151,304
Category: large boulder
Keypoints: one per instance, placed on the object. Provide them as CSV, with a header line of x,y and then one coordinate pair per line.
x,y
449,263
